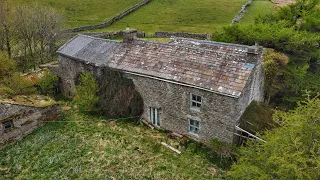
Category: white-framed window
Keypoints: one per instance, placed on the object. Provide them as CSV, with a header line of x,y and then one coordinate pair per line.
x,y
155,116
196,101
194,126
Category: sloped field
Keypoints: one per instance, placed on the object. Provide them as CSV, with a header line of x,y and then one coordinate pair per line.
x,y
97,148
196,16
83,12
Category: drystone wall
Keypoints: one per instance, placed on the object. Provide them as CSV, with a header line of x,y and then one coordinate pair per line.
x,y
112,34
242,12
182,34
112,20
106,34
24,120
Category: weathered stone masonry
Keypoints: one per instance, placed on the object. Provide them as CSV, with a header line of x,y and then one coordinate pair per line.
x,y
216,117
221,107
25,119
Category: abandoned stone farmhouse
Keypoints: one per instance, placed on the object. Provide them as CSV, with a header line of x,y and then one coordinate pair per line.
x,y
192,87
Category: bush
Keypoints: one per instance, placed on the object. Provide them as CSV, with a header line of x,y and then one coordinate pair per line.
x,y
224,150
20,85
276,76
86,92
7,68
291,151
48,84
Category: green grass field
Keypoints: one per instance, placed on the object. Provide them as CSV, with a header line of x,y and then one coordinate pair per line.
x,y
104,149
258,7
196,16
205,16
83,12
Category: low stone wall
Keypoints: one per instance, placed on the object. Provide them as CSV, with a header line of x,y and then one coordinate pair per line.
x,y
242,12
110,21
106,34
24,120
111,34
182,34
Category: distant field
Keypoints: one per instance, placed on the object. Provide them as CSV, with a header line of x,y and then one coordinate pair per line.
x,y
84,12
103,149
198,16
258,7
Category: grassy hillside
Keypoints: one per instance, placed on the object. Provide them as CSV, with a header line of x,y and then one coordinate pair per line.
x,y
103,149
258,7
83,12
203,16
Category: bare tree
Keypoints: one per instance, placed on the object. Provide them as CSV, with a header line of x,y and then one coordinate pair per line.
x,y
5,27
37,27
25,31
48,25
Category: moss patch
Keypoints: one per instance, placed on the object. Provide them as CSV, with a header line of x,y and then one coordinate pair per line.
x,y
32,100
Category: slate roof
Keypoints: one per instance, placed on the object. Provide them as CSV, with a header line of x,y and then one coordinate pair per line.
x,y
218,67
89,49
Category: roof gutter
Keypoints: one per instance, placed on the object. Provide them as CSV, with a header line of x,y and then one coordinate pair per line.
x,y
182,84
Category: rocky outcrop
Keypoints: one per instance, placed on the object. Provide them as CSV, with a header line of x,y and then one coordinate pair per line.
x,y
18,120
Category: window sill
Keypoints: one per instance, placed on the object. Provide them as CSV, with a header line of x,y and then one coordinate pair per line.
x,y
195,109
193,134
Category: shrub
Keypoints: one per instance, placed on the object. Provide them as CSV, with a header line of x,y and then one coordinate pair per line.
x,y
291,151
275,66
86,92
48,84
7,68
20,85
224,150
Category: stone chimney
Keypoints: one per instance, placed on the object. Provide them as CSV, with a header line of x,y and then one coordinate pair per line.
x,y
255,49
129,35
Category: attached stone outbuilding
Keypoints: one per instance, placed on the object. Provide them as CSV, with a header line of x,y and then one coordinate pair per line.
x,y
192,87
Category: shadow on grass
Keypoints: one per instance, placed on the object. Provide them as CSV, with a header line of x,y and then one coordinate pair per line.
x,y
195,147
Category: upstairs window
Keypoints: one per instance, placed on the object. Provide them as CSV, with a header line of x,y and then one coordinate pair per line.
x,y
194,126
196,101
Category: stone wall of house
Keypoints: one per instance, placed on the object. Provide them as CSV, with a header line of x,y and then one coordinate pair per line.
x,y
242,12
254,89
25,120
182,34
69,70
112,20
217,116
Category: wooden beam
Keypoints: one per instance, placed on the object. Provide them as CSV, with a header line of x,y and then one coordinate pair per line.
x,y
147,124
170,147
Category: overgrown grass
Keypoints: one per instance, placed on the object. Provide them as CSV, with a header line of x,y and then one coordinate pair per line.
x,y
196,16
83,12
104,149
258,7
